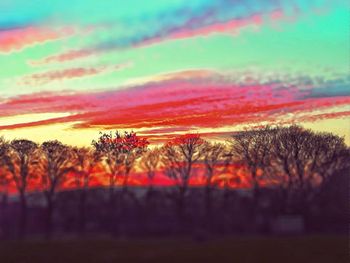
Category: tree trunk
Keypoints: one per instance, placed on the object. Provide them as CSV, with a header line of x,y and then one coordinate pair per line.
x,y
284,202
23,215
82,212
113,221
112,189
225,202
125,181
148,200
148,209
49,216
4,216
256,191
181,206
208,205
125,192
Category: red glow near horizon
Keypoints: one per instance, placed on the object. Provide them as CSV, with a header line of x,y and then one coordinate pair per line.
x,y
235,177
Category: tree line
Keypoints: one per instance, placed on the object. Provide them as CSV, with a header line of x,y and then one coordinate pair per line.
x,y
297,164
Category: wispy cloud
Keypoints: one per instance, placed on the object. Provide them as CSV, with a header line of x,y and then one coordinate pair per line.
x,y
16,39
203,25
66,74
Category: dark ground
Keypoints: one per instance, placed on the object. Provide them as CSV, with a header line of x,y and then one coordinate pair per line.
x,y
315,249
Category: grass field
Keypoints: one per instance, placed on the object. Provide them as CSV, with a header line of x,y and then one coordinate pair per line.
x,y
242,249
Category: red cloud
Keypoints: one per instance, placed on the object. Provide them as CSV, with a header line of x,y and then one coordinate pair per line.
x,y
176,105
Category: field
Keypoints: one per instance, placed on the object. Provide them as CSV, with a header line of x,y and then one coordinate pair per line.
x,y
327,249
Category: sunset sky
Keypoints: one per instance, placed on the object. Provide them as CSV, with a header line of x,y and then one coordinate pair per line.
x,y
69,69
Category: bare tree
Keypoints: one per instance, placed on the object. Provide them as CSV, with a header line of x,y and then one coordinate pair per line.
x,y
251,148
329,155
5,180
213,156
86,160
179,156
293,159
150,163
57,160
19,156
304,160
290,147
120,152
5,176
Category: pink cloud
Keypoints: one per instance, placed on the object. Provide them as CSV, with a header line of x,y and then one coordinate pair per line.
x,y
175,105
188,30
70,55
16,39
43,78
47,77
219,27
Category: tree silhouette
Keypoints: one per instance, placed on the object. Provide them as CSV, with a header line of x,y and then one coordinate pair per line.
x,y
179,156
120,152
251,149
303,160
57,160
287,169
5,180
213,155
150,163
5,176
329,155
86,160
19,156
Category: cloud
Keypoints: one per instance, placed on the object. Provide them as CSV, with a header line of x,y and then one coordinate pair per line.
x,y
67,56
325,116
16,39
65,74
174,105
205,23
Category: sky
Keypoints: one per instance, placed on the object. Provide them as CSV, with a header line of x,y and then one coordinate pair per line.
x,y
69,69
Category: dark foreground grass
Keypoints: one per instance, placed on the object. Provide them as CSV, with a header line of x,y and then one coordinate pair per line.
x,y
243,249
